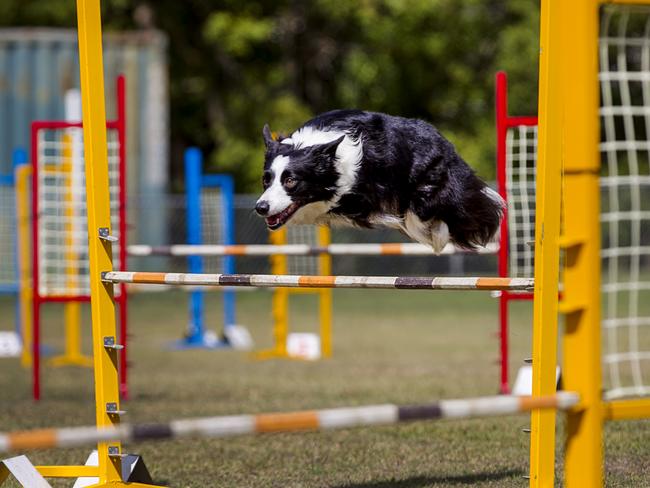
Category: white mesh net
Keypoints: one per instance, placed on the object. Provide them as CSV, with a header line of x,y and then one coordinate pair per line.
x,y
625,147
8,275
302,265
625,204
521,154
63,235
213,226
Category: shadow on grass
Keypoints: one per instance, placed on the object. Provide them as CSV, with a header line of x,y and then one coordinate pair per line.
x,y
423,481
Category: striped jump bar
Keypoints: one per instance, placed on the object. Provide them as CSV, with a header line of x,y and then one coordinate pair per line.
x,y
393,249
311,420
294,281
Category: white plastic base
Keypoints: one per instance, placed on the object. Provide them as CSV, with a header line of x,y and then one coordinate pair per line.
x,y
303,345
10,345
238,337
524,381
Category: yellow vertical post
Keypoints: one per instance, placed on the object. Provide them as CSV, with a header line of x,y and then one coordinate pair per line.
x,y
100,255
547,230
325,295
280,306
581,295
72,355
23,173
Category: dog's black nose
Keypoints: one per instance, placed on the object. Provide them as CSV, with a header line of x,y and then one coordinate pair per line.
x,y
262,208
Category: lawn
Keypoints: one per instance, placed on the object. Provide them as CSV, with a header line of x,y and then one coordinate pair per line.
x,y
389,346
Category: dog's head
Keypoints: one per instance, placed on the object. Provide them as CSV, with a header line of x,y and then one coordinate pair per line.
x,y
295,177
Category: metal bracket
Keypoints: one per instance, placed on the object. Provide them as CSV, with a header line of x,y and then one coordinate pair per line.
x,y
111,409
105,235
109,343
114,451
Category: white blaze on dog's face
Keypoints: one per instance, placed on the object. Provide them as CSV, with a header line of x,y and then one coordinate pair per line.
x,y
305,175
280,204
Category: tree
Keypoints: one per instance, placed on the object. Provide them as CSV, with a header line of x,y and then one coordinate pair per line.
x,y
237,65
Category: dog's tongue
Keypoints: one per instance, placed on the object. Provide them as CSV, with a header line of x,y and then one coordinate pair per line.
x,y
273,220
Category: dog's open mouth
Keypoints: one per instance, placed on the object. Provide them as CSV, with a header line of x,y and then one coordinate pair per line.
x,y
278,220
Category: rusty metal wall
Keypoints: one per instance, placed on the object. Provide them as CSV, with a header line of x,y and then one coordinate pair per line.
x,y
37,67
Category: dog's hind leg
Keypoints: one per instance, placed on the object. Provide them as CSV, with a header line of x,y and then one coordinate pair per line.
x,y
439,235
433,232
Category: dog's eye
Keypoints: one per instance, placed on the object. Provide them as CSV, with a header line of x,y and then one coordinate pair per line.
x,y
266,179
290,183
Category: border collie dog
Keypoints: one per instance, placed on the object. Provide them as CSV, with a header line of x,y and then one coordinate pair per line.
x,y
371,169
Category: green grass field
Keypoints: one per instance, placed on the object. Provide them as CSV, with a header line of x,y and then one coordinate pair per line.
x,y
389,346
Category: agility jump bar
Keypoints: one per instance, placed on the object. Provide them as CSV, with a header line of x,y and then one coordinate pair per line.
x,y
307,281
310,420
354,249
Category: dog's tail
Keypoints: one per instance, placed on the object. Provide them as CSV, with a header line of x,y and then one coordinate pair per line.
x,y
478,217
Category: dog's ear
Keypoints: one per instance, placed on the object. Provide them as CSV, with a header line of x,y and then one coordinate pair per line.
x,y
269,139
327,149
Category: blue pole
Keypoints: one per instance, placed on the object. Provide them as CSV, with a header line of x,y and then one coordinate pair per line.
x,y
19,157
193,172
195,182
228,193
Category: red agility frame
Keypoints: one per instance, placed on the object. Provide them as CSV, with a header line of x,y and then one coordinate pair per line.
x,y
503,123
120,126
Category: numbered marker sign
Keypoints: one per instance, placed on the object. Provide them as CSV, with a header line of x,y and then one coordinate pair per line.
x,y
304,346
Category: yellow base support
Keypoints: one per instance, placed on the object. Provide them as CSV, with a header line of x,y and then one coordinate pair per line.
x,y
68,471
278,353
86,472
71,360
627,409
117,484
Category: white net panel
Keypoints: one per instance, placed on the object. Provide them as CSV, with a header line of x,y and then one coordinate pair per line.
x,y
213,226
63,235
302,265
521,154
8,275
625,148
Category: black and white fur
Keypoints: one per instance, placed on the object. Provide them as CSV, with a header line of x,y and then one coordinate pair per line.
x,y
369,169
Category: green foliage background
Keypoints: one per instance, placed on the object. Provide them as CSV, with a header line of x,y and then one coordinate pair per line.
x,y
236,65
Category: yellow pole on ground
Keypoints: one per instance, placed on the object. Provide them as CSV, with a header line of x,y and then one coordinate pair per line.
x,y
279,304
581,297
72,355
547,231
23,174
99,217
325,295
107,401
99,247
